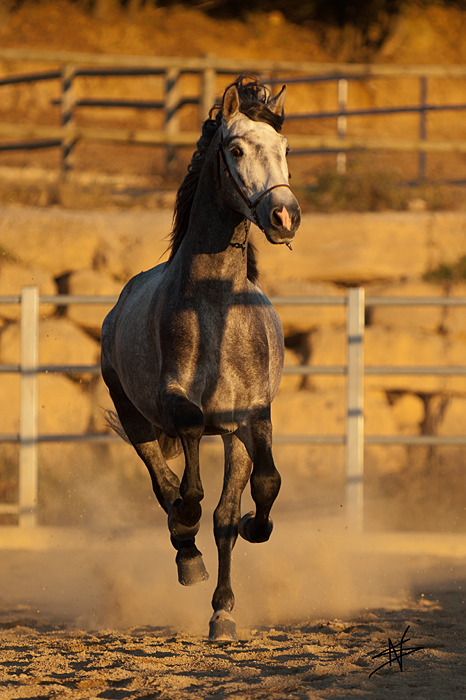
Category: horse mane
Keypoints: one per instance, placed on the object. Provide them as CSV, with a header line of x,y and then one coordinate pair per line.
x,y
254,97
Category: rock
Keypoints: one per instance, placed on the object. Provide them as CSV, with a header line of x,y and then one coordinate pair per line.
x,y
454,417
291,382
455,317
446,239
302,319
100,402
351,248
149,248
91,282
408,412
63,407
386,347
425,318
60,343
13,277
134,242
378,415
60,241
56,241
309,413
9,391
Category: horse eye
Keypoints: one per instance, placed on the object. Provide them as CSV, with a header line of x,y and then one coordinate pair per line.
x,y
236,152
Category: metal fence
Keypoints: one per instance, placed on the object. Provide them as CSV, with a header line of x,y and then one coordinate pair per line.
x,y
69,66
354,439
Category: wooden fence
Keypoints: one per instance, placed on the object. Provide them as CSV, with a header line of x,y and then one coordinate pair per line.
x,y
68,66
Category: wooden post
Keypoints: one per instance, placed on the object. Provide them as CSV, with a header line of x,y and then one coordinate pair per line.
x,y
172,120
422,126
354,500
68,101
342,123
208,89
28,422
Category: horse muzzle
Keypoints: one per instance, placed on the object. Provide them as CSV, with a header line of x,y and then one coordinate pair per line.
x,y
281,218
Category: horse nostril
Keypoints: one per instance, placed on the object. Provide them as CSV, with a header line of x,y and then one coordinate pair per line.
x,y
281,218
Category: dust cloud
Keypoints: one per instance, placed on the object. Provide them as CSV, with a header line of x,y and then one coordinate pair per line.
x,y
125,579
117,572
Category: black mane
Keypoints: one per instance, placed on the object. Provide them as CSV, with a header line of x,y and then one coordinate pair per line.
x,y
253,103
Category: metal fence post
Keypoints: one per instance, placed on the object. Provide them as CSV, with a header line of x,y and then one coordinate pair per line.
x,y
354,500
28,420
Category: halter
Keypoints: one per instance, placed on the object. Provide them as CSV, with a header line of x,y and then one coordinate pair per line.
x,y
251,205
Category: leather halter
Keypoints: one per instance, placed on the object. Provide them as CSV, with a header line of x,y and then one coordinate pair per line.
x,y
251,205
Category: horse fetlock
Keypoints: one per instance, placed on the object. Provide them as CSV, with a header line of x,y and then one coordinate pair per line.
x,y
191,569
222,628
223,598
253,531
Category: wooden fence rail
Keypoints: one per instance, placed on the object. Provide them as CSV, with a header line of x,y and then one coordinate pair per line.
x,y
71,65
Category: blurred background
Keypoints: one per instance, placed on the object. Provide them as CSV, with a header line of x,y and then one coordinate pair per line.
x,y
367,83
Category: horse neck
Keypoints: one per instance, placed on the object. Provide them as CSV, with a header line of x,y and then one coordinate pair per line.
x,y
215,244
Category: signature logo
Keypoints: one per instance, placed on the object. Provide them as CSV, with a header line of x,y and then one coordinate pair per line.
x,y
395,653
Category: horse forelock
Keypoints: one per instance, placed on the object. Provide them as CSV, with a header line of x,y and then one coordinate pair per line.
x,y
254,97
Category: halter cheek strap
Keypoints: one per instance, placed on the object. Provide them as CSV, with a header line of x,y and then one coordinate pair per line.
x,y
251,205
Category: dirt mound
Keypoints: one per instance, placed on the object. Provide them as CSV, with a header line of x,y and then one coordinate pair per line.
x,y
419,35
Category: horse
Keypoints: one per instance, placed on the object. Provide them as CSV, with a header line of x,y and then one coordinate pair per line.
x,y
193,346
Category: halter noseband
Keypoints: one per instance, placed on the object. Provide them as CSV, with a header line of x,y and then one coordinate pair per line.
x,y
251,205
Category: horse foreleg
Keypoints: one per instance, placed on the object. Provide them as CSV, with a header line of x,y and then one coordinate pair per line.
x,y
226,518
265,480
187,423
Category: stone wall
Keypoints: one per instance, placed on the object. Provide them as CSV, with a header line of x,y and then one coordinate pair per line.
x,y
80,252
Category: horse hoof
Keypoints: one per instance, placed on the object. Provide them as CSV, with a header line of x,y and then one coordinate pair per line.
x,y
249,531
191,569
222,628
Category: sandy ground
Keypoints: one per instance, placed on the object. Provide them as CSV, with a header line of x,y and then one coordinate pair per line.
x,y
102,616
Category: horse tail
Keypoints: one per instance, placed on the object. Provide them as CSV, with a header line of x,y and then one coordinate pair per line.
x,y
114,423
171,447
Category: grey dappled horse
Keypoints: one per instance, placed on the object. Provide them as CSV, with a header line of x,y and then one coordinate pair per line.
x,y
193,347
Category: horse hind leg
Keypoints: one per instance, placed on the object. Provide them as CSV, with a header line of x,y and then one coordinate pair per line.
x,y
222,626
143,436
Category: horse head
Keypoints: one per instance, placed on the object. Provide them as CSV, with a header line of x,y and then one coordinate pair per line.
x,y
252,163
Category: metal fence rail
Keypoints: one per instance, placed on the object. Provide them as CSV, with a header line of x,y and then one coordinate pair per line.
x,y
354,439
72,65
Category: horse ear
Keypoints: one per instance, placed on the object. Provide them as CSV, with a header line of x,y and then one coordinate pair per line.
x,y
230,103
277,104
